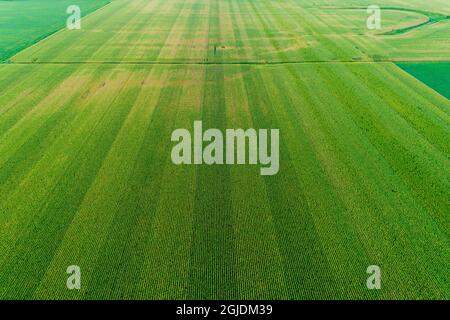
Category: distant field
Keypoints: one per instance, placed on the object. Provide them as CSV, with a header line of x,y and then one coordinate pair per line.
x,y
435,75
243,31
25,22
86,176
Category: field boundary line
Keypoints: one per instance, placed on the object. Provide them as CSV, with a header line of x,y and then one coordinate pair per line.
x,y
169,63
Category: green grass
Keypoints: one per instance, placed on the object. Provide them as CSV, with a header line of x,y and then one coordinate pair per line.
x,y
86,176
274,32
25,22
431,19
435,75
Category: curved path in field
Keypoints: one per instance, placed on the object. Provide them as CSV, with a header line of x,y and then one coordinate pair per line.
x,y
432,18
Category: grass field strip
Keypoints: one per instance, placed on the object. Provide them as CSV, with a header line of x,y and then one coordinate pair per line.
x,y
217,62
301,42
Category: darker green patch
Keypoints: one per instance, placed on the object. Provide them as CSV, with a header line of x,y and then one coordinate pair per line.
x,y
24,23
212,266
434,74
